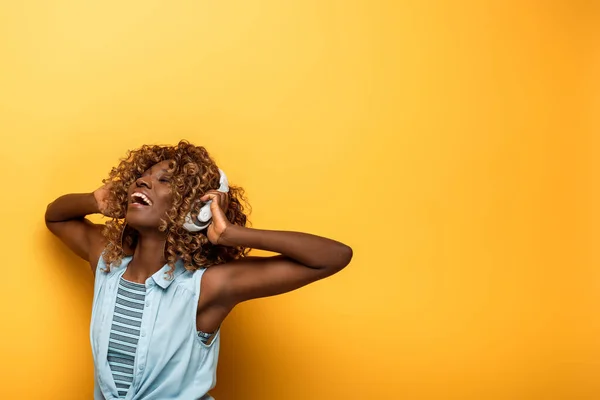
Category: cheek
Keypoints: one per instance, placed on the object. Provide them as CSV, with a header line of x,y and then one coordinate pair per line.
x,y
166,201
169,199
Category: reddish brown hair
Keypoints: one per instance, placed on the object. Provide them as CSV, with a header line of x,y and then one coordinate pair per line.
x,y
194,173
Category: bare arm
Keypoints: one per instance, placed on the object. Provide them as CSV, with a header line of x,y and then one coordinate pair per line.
x,y
311,251
303,258
65,218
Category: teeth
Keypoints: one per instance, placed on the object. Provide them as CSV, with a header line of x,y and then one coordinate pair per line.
x,y
144,198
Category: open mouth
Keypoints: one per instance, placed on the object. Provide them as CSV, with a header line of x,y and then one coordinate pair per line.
x,y
140,199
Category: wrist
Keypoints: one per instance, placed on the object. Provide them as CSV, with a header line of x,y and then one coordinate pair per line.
x,y
92,203
232,236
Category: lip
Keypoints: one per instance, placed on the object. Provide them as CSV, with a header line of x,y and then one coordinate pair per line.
x,y
138,205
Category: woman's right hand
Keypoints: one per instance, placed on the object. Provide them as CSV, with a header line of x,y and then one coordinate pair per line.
x,y
101,195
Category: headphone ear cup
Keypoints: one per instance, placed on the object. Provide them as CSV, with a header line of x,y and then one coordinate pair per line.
x,y
203,219
205,214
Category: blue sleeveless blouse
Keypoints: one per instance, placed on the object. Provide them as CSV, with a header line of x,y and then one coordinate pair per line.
x,y
171,360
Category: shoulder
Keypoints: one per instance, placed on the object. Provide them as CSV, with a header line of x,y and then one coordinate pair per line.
x,y
215,283
217,277
101,265
191,281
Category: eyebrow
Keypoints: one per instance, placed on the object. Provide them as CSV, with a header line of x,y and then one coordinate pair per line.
x,y
149,171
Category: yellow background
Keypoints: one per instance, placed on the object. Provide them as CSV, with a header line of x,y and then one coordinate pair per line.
x,y
453,144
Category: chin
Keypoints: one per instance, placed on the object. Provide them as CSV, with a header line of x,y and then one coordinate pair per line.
x,y
136,221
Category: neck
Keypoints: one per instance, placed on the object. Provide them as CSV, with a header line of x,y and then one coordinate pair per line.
x,y
148,256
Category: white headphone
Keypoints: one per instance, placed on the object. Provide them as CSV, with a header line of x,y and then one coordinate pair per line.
x,y
205,215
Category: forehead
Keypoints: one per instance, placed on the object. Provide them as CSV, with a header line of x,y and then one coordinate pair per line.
x,y
160,166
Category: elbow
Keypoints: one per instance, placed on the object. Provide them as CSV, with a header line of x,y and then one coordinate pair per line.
x,y
49,219
48,215
343,256
347,254
332,260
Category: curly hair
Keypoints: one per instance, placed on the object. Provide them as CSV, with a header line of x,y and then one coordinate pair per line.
x,y
194,173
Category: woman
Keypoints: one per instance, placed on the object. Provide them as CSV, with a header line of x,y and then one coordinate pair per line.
x,y
162,289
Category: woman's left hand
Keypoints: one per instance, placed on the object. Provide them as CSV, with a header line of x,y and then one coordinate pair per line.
x,y
218,207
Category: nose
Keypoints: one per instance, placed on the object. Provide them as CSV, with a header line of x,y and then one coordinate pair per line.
x,y
142,181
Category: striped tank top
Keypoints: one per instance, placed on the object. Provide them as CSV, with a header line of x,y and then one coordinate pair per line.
x,y
125,333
